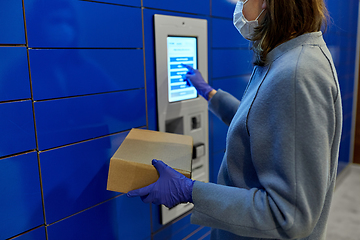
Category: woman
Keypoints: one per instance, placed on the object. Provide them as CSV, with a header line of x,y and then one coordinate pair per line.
x,y
278,173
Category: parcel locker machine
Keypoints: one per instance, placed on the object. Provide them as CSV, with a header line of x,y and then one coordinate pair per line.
x,y
180,109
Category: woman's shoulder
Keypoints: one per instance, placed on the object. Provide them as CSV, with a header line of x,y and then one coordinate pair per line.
x,y
305,59
283,69
305,66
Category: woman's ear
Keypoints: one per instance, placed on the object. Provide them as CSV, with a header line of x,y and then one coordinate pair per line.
x,y
264,4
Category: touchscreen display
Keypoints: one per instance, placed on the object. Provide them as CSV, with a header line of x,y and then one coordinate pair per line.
x,y
180,50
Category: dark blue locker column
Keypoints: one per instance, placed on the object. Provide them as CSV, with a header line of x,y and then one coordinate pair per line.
x,y
21,207
87,75
341,37
231,70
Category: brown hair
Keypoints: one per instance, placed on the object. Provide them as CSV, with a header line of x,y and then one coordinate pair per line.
x,y
284,20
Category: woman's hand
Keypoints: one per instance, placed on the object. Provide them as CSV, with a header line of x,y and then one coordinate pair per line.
x,y
170,189
195,78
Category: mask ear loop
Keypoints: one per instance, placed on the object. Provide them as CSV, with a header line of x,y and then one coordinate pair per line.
x,y
259,14
260,43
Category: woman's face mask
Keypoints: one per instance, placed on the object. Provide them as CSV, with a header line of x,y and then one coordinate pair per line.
x,y
245,27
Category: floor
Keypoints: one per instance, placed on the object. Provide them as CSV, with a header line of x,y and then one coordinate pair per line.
x,y
344,219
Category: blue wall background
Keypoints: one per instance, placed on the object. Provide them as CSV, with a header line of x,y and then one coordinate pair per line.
x,y
76,76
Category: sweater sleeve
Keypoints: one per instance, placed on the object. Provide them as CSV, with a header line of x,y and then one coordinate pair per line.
x,y
294,133
224,106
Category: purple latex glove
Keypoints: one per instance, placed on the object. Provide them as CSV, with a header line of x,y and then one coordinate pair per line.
x,y
170,189
197,81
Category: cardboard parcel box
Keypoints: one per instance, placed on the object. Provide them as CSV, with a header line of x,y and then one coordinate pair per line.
x,y
130,167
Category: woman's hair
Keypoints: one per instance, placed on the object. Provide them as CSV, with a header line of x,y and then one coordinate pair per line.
x,y
285,20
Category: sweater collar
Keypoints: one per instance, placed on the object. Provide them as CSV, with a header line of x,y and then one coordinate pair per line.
x,y
314,38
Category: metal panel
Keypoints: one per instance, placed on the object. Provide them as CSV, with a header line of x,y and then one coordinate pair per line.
x,y
75,177
185,6
202,233
235,86
69,72
223,8
14,74
231,62
136,3
37,234
71,24
16,128
119,218
12,22
225,35
20,202
171,229
70,120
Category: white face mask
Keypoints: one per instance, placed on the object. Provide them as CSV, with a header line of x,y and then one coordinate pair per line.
x,y
245,27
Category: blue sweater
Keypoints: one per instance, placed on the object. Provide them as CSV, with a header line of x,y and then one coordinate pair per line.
x,y
278,173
